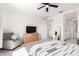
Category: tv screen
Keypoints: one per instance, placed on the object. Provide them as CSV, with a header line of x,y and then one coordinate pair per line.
x,y
30,29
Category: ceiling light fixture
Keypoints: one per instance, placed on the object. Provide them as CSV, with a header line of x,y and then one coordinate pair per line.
x,y
46,6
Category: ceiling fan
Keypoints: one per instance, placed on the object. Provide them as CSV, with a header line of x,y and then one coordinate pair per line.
x,y
47,5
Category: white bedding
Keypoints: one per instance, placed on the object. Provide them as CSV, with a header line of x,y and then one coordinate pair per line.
x,y
54,48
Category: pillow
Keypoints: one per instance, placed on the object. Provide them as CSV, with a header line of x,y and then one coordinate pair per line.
x,y
14,37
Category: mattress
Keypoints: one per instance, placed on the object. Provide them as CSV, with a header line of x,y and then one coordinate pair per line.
x,y
54,48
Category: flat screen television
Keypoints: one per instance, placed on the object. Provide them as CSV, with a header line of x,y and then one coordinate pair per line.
x,y
30,29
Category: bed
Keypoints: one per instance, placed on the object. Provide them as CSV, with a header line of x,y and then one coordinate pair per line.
x,y
54,48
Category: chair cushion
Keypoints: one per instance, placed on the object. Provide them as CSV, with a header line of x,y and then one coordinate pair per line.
x,y
7,36
11,44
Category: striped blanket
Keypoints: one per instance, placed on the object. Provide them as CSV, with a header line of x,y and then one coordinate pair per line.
x,y
54,48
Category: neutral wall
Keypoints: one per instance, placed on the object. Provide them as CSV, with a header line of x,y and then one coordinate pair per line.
x,y
78,24
68,26
69,18
57,25
1,26
16,22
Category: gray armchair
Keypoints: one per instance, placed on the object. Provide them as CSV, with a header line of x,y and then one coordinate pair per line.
x,y
9,43
77,42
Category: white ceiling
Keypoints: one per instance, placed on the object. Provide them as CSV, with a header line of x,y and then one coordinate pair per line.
x,y
31,8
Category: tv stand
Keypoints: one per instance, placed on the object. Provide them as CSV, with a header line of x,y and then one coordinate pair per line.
x,y
30,37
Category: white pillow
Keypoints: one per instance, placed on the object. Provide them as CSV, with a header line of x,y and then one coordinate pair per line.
x,y
14,37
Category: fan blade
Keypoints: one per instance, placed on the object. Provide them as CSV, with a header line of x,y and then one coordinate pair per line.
x,y
46,9
54,6
45,3
40,7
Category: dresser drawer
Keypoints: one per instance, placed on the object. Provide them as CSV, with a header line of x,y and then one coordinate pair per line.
x,y
30,37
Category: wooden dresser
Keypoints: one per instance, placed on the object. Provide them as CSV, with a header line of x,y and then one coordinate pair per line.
x,y
30,37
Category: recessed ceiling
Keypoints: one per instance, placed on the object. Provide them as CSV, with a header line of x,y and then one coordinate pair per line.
x,y
31,8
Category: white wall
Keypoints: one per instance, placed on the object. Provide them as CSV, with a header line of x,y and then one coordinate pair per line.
x,y
59,23
69,18
78,24
43,30
68,29
57,26
1,26
17,21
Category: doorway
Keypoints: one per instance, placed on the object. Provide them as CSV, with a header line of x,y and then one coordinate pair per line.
x,y
75,29
71,31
